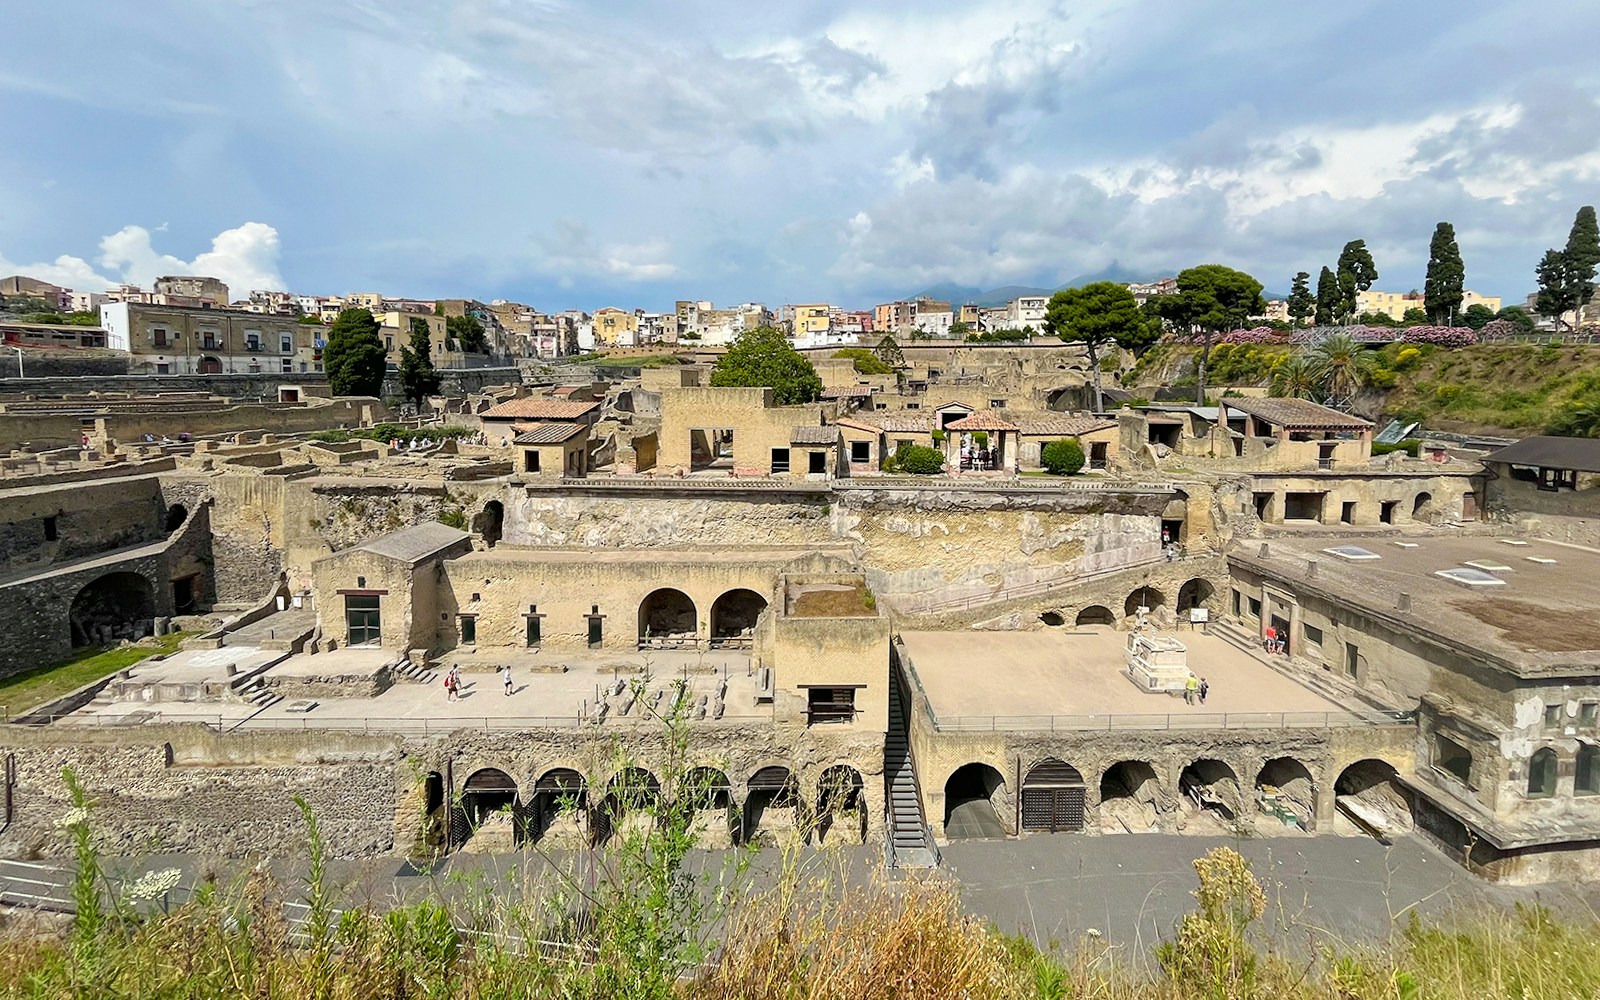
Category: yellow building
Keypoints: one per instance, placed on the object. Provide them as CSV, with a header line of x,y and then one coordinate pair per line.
x,y
615,328
810,320
1395,304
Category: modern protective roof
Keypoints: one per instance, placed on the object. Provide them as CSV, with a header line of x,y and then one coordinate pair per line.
x,y
901,421
1061,424
814,434
1295,414
537,433
1548,452
539,409
983,420
846,391
417,543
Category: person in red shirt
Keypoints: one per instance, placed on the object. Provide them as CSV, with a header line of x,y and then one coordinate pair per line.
x,y
1272,639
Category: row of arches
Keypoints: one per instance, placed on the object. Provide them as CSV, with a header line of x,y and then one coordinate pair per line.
x,y
1194,593
768,804
1054,796
669,616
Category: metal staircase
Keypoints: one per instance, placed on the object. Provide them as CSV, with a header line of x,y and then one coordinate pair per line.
x,y
910,841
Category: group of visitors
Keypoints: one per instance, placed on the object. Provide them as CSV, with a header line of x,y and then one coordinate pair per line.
x,y
974,458
1195,690
452,683
1274,641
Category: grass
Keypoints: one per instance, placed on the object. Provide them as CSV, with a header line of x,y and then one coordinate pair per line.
x,y
644,361
26,691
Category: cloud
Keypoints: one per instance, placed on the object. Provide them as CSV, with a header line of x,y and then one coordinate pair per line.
x,y
570,253
244,258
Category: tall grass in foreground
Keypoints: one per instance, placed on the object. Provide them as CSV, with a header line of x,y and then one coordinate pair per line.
x,y
633,921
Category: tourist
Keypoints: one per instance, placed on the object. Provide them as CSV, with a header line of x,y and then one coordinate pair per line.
x,y
1205,689
1272,639
1191,689
450,685
506,674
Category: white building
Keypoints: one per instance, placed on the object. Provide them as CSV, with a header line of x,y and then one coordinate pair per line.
x,y
1026,311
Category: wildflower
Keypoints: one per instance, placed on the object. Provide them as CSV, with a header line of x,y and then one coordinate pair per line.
x,y
74,817
154,885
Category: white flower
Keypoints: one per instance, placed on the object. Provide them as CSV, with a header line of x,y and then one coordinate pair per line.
x,y
76,816
154,885
1094,932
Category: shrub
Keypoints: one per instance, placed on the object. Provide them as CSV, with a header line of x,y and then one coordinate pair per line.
x,y
920,460
1062,458
1444,336
1411,446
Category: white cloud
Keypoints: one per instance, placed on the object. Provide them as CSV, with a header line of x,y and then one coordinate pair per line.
x,y
245,258
570,252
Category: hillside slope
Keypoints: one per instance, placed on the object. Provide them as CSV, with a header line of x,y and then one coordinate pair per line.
x,y
1502,389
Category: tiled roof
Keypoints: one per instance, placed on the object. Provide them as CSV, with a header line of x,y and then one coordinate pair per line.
x,y
1577,454
539,409
546,433
983,420
814,434
1061,424
840,392
416,543
1295,414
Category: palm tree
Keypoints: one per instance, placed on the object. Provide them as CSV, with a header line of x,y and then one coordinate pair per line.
x,y
1344,364
1297,377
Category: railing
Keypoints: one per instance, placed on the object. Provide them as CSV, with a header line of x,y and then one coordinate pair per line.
x,y
1178,721
373,726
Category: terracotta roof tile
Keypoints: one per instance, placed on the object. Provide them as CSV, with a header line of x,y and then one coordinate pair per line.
x,y
530,408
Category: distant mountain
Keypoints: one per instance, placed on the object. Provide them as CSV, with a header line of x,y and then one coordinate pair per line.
x,y
958,295
1116,272
948,291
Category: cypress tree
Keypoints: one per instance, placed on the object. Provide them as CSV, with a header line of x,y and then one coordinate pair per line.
x,y
1583,255
1300,303
1328,295
1447,275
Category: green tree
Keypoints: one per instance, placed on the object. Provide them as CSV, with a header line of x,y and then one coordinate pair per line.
x,y
1298,377
960,329
1377,319
1344,364
354,357
1477,316
762,356
418,378
1414,317
468,334
1099,313
1356,272
1583,255
1301,302
889,352
1517,315
1211,299
1557,295
1327,298
1446,277
866,362
1062,458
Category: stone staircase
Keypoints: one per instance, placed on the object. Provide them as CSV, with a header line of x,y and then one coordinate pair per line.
x,y
1320,681
256,693
910,843
413,673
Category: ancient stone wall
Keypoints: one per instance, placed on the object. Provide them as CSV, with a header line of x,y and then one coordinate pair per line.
x,y
85,519
187,789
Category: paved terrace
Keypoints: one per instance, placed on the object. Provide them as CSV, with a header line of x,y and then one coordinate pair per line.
x,y
542,694
1541,618
1076,680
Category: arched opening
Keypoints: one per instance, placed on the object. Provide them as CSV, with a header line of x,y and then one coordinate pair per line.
x,y
115,606
1053,797
1211,788
1542,774
1130,798
176,515
734,616
969,803
1287,793
1054,619
667,619
1419,506
1096,614
841,805
210,364
1586,770
489,791
1196,593
430,832
771,805
560,796
490,522
1369,799
630,799
706,798
1148,597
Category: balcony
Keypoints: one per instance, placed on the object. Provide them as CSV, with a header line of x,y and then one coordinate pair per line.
x,y
252,347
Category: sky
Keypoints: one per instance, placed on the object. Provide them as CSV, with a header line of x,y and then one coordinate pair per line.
x,y
633,152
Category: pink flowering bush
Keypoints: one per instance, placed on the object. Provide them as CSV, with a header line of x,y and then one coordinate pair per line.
x,y
1499,329
1442,336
